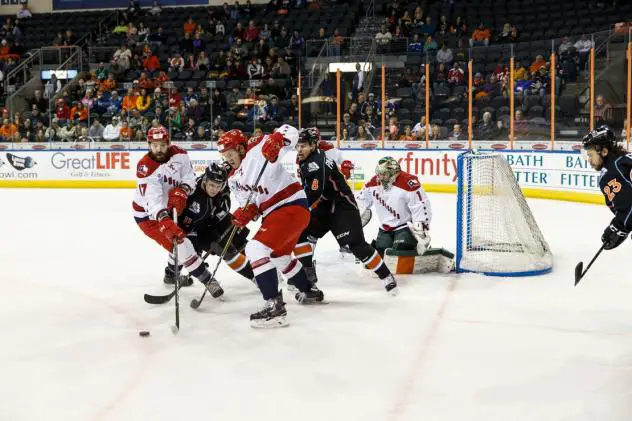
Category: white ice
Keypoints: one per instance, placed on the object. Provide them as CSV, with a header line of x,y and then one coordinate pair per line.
x,y
74,268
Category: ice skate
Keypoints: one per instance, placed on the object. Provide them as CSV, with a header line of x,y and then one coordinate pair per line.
x,y
272,315
390,285
170,279
313,296
214,288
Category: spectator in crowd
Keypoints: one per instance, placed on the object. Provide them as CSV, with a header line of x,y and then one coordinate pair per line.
x,y
480,36
96,130
39,102
431,45
121,61
415,46
176,63
583,47
151,63
520,73
428,29
383,37
601,108
357,83
456,76
349,125
156,8
251,34
254,69
486,129
112,131
67,132
408,134
537,64
445,55
190,26
565,46
521,125
456,134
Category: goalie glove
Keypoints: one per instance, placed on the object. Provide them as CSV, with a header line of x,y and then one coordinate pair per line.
x,y
420,232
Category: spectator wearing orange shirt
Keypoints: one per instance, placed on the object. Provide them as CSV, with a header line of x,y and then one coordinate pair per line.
x,y
151,63
408,135
126,132
129,101
108,84
537,64
480,36
190,26
79,112
7,130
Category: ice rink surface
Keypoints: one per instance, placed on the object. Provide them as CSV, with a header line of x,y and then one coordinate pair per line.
x,y
74,268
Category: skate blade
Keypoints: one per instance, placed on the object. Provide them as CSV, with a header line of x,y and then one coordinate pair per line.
x,y
291,288
393,292
270,324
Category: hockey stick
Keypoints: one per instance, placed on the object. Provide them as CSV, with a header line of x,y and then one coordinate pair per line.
x,y
578,269
163,299
176,328
195,304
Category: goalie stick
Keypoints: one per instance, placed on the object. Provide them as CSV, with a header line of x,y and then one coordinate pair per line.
x,y
163,299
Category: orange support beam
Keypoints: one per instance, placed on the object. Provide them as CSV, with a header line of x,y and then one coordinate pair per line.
x,y
592,89
553,74
470,100
300,101
337,108
511,102
427,104
629,107
383,105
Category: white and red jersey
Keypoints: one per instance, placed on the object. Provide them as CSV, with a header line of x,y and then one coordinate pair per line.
x,y
154,180
331,152
276,188
157,133
404,201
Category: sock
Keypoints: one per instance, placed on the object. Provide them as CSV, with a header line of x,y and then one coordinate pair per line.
x,y
376,264
295,273
266,276
240,264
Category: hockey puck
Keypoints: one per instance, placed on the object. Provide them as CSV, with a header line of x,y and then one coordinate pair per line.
x,y
143,333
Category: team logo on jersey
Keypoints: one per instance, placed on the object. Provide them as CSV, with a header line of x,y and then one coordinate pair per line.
x,y
142,170
315,184
412,183
173,166
195,207
312,166
20,163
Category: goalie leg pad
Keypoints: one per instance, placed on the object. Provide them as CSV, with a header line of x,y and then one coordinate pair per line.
x,y
409,262
404,239
383,241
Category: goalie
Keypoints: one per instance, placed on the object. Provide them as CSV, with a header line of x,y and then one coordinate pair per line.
x,y
404,213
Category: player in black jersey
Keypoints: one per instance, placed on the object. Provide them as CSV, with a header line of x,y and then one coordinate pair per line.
x,y
207,221
333,208
615,165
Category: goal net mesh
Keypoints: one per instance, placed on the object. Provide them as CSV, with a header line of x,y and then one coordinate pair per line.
x,y
496,231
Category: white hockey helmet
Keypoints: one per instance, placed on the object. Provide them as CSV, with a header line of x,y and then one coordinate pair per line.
x,y
289,132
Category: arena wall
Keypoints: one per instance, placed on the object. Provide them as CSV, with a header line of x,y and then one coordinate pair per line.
x,y
559,175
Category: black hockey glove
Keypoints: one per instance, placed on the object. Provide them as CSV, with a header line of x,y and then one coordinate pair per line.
x,y
613,236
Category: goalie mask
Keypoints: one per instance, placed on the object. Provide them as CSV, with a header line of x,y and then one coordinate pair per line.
x,y
387,171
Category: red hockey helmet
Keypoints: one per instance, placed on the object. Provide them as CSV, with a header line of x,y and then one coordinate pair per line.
x,y
156,134
231,139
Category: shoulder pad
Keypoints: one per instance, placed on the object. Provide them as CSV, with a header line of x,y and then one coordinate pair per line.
x,y
407,182
372,182
175,150
146,166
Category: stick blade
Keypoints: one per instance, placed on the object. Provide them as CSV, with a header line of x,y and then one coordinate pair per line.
x,y
578,272
157,299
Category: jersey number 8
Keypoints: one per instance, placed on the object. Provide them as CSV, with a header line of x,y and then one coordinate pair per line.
x,y
612,189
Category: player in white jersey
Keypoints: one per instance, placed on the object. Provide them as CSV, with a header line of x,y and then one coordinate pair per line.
x,y
279,199
404,212
164,179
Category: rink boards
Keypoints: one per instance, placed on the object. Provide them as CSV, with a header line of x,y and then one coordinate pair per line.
x,y
560,175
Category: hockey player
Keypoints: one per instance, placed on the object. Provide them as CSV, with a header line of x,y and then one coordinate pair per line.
x,y
282,204
615,166
333,208
164,180
344,165
207,220
404,212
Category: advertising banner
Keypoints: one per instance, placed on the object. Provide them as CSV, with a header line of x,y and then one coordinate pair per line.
x,y
541,174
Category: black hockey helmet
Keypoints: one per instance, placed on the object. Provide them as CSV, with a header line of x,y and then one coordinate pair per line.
x,y
217,172
310,135
601,137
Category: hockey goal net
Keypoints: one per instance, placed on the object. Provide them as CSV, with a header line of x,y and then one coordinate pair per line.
x,y
496,231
